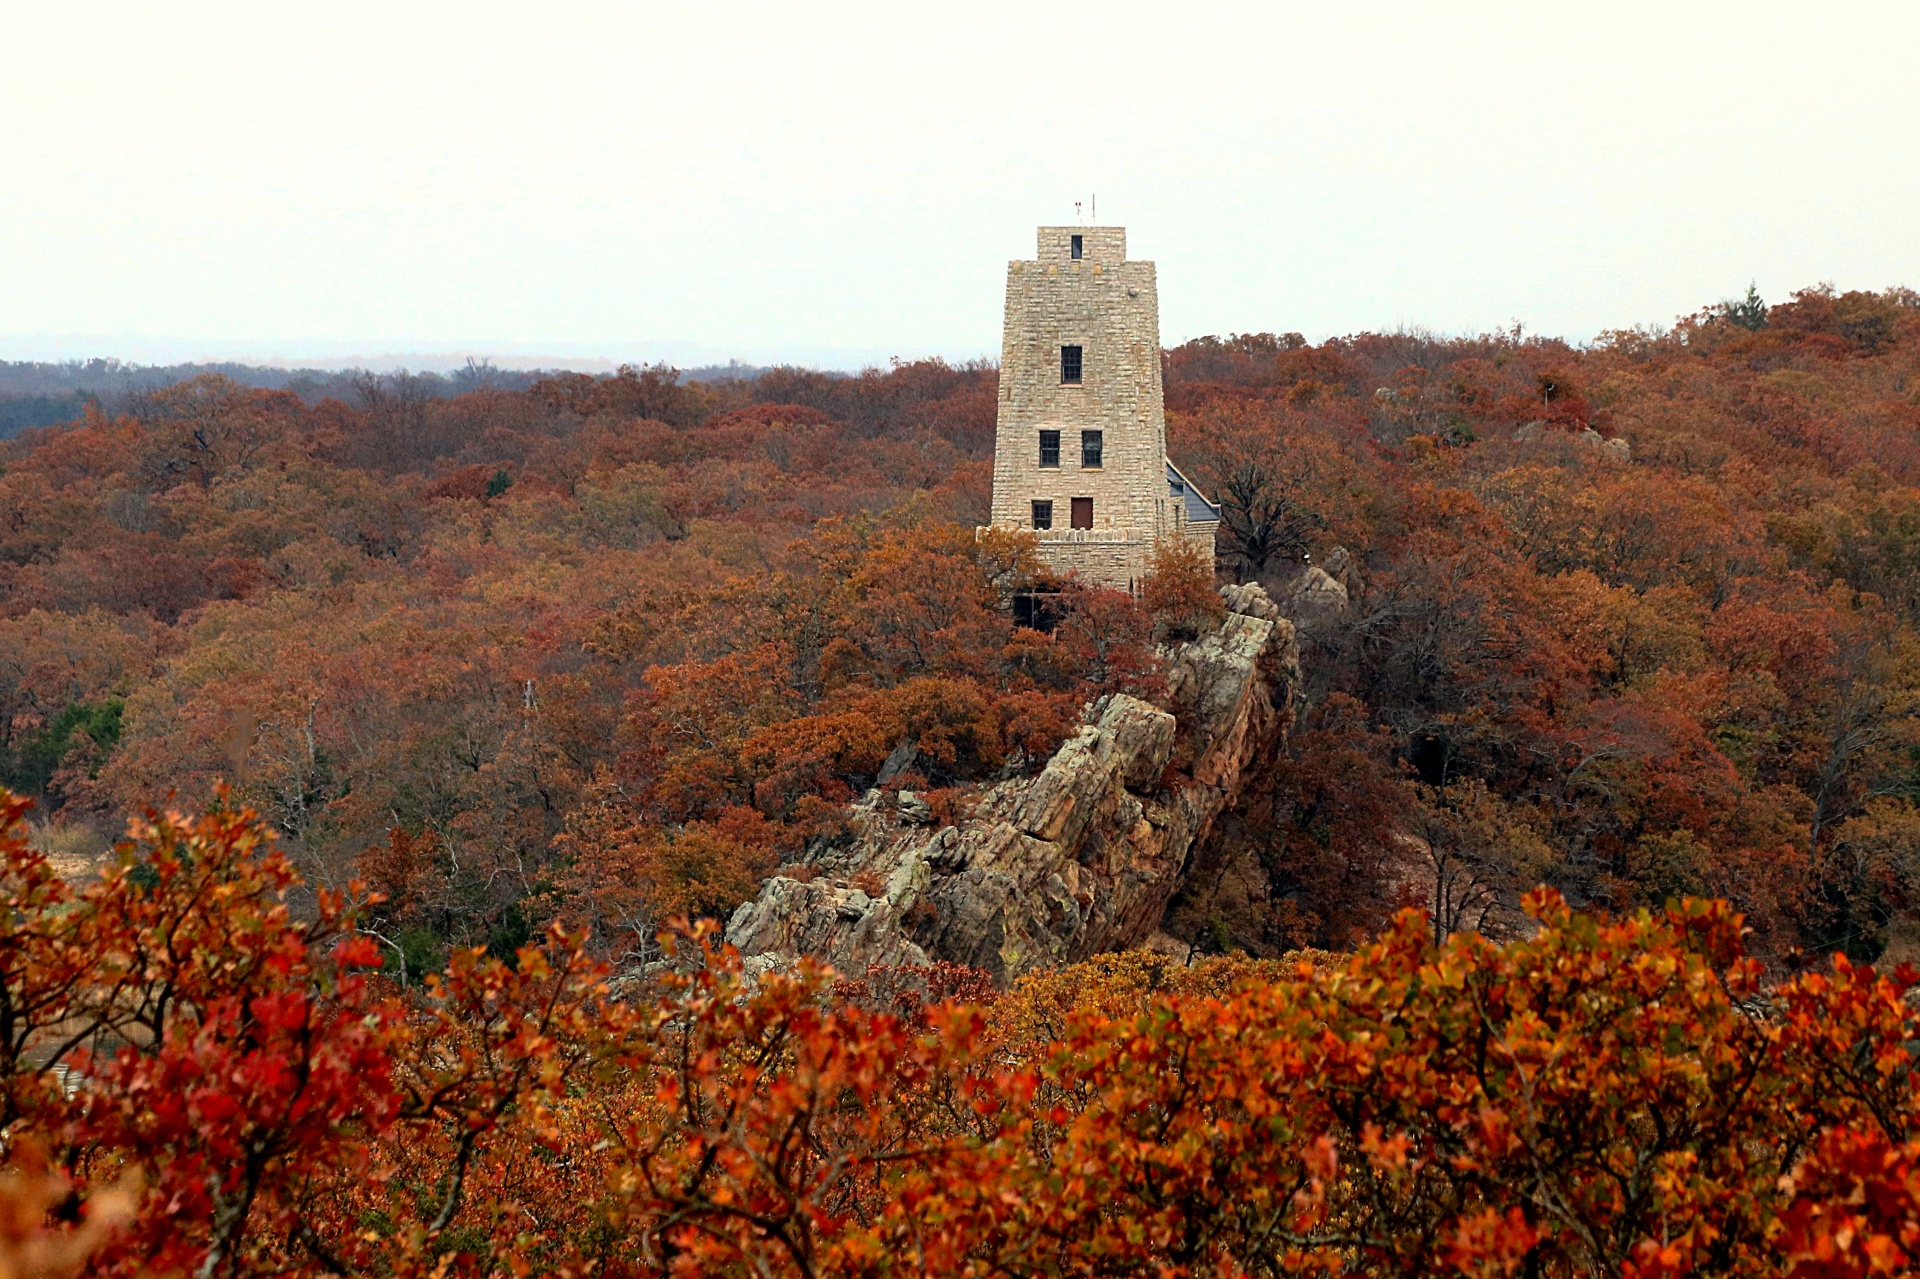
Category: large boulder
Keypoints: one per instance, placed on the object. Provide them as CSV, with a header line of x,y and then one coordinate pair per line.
x,y
1314,596
1049,869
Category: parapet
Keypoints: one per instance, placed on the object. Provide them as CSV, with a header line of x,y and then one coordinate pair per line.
x,y
1103,244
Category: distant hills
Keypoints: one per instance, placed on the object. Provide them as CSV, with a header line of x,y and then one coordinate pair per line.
x,y
45,393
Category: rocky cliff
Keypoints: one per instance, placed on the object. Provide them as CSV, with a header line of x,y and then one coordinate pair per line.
x,y
1049,869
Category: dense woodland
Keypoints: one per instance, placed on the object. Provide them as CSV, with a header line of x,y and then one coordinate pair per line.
x,y
48,393
608,650
523,676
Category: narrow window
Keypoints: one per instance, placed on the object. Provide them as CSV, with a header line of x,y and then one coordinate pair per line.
x,y
1043,514
1076,248
1090,445
1069,364
1050,449
1083,512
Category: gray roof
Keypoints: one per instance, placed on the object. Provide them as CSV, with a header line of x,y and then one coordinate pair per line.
x,y
1199,509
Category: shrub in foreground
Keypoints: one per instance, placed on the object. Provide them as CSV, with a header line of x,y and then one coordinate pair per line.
x,y
196,1081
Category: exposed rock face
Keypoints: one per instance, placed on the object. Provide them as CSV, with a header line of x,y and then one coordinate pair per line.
x,y
1616,449
1050,869
1316,593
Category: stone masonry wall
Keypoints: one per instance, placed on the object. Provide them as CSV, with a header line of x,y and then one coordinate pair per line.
x,y
1114,559
1108,307
1117,563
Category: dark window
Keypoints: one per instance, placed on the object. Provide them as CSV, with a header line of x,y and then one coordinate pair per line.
x,y
1050,448
1043,514
1069,364
1090,444
1037,611
1076,248
1083,512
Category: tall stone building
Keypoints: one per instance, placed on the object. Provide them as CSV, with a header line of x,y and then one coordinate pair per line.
x,y
1080,451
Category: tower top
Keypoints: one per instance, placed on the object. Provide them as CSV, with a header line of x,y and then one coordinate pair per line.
x,y
1104,244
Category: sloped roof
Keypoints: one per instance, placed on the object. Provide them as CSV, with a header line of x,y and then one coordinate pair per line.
x,y
1199,509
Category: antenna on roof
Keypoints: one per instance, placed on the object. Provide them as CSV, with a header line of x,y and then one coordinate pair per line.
x,y
1094,216
1076,214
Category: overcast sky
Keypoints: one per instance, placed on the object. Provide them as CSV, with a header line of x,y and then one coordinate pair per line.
x,y
838,182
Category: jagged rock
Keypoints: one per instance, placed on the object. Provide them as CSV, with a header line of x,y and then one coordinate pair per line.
x,y
1313,595
1251,599
1343,567
1131,743
1050,869
817,917
913,810
898,762
1617,449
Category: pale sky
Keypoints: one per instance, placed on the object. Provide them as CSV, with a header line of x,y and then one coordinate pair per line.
x,y
835,183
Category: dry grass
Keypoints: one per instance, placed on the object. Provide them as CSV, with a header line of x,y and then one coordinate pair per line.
x,y
75,848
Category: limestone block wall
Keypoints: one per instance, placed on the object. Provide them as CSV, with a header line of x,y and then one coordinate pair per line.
x,y
1109,308
1201,536
1117,562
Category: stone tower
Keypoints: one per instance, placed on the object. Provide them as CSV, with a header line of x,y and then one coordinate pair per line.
x,y
1080,449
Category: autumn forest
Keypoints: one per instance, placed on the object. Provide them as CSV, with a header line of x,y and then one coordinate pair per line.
x,y
1564,931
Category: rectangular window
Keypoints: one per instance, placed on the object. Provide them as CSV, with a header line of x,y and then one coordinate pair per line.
x,y
1043,514
1069,364
1090,446
1050,449
1035,611
1083,512
1076,248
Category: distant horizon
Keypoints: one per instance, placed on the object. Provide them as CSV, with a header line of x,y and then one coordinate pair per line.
x,y
392,355
388,357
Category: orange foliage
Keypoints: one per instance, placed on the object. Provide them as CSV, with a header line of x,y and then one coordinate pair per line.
x,y
1179,590
1609,1095
1656,600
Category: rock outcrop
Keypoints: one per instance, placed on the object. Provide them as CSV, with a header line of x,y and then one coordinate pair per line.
x,y
1050,869
1313,595
1616,449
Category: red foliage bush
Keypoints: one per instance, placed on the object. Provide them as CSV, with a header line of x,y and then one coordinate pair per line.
x,y
231,1091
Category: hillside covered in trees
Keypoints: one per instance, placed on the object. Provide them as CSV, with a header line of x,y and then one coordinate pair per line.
x,y
535,683
47,393
1638,621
